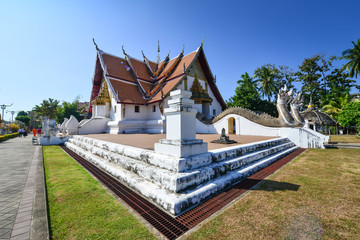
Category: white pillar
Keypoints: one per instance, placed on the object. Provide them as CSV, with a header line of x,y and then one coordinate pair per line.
x,y
180,127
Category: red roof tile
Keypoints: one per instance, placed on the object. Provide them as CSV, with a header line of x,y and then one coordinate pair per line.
x,y
117,67
170,77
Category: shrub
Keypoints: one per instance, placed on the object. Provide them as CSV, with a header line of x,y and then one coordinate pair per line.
x,y
8,136
13,127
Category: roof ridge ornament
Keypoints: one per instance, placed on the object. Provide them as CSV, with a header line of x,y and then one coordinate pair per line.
x,y
158,51
96,46
202,42
143,54
124,50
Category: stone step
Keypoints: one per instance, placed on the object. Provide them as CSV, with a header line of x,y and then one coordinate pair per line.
x,y
144,155
193,197
180,164
238,150
159,176
177,203
164,178
214,170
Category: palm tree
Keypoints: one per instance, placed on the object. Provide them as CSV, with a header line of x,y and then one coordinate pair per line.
x,y
334,107
248,82
353,54
47,108
266,78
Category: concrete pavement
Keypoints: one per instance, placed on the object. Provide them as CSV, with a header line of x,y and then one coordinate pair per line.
x,y
23,212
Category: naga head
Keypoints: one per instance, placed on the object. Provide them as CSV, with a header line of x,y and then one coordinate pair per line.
x,y
284,96
298,100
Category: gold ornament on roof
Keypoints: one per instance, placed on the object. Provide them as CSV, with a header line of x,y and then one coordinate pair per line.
x,y
103,96
199,95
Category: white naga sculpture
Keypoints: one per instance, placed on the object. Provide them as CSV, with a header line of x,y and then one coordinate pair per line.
x,y
295,104
284,97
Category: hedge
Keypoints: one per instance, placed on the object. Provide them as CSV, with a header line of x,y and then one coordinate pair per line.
x,y
8,136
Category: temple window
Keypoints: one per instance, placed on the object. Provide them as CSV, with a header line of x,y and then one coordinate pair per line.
x,y
154,108
123,112
214,112
137,109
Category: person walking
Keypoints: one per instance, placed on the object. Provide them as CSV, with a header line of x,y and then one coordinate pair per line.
x,y
34,132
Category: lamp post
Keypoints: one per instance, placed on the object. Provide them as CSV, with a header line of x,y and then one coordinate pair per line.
x,y
3,107
12,114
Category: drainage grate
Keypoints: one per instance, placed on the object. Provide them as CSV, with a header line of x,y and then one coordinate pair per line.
x,y
169,226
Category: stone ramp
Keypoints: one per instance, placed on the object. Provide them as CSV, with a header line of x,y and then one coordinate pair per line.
x,y
178,184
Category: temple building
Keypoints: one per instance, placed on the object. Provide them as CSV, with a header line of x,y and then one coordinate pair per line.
x,y
132,94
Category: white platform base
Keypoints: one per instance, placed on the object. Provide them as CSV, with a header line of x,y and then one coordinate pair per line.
x,y
181,148
157,176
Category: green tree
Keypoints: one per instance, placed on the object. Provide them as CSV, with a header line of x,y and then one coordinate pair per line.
x,y
23,116
350,115
338,86
35,120
247,96
248,82
353,55
286,76
266,78
309,75
67,109
47,108
336,106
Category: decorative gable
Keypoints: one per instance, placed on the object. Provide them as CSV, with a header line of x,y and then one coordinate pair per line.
x,y
103,96
199,95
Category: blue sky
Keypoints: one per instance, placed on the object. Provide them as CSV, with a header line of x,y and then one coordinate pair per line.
x,y
47,49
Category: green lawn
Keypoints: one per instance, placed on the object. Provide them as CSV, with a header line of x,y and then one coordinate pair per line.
x,y
317,196
344,138
80,208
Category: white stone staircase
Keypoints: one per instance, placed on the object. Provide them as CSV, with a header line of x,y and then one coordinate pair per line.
x,y
177,184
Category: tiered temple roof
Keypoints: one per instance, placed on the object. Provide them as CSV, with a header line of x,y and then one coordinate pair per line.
x,y
133,81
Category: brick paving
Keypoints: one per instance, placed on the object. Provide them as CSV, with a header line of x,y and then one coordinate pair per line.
x,y
19,161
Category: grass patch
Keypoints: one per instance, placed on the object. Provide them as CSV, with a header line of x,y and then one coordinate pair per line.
x,y
345,138
80,208
325,206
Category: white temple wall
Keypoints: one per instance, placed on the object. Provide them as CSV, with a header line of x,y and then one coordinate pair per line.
x,y
198,107
153,115
145,112
115,110
214,105
131,114
305,138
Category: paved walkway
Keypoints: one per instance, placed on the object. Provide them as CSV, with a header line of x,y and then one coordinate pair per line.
x,y
342,145
22,191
